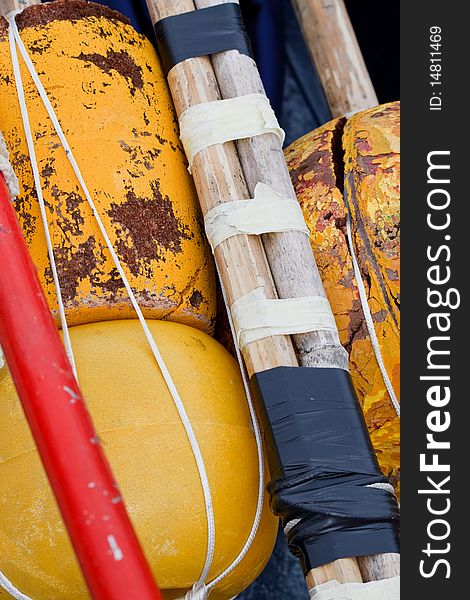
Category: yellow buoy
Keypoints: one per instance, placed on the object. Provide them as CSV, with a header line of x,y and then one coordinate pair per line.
x,y
106,85
150,455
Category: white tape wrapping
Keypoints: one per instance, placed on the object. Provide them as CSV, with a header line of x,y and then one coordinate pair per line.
x,y
7,170
386,589
210,123
255,317
267,212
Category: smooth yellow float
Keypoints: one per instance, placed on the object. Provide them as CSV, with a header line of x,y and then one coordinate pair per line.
x,y
107,87
146,444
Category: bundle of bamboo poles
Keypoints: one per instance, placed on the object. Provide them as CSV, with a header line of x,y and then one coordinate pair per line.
x,y
61,426
282,263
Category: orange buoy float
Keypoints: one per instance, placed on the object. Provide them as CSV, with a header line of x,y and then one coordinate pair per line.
x,y
108,90
360,156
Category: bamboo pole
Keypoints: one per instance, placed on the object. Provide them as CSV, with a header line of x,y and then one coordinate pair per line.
x,y
109,554
262,159
338,59
219,178
242,263
289,254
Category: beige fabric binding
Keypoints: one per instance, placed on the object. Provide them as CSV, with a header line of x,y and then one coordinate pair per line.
x,y
255,317
211,123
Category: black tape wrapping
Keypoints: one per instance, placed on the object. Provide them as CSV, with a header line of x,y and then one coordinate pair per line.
x,y
201,33
321,462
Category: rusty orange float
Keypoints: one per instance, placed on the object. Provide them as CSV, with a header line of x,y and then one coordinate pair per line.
x,y
107,87
360,155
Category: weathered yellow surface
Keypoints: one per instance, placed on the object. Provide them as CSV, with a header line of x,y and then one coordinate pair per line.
x,y
146,444
107,87
361,154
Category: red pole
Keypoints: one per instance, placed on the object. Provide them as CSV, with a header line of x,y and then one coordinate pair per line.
x,y
108,551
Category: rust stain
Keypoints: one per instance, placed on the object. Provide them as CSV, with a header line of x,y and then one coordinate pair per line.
x,y
108,67
146,227
359,156
112,284
38,15
40,46
121,62
380,316
389,110
371,164
366,255
139,157
73,266
357,329
23,206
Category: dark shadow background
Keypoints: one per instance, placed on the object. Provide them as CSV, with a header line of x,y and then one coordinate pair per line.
x,y
377,26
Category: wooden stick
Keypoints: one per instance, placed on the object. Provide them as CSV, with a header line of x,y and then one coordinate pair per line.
x,y
242,263
8,5
379,566
262,159
338,59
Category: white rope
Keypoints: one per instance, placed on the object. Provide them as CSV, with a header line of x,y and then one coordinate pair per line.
x,y
13,36
158,357
386,487
7,585
267,212
197,593
368,315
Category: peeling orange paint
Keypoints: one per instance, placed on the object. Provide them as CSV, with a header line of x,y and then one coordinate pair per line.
x,y
108,90
363,155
